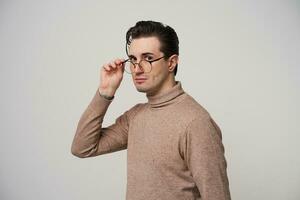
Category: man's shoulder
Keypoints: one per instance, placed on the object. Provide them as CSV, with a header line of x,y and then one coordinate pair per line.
x,y
193,107
189,109
194,112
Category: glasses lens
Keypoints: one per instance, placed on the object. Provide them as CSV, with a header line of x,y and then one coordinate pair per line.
x,y
129,67
144,66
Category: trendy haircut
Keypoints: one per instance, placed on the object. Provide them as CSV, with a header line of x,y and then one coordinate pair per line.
x,y
166,35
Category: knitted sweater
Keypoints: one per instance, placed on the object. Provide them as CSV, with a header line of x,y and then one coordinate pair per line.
x,y
174,147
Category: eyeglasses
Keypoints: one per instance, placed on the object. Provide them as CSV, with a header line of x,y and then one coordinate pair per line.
x,y
144,65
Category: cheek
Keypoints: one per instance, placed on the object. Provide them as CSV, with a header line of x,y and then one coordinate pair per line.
x,y
157,75
159,72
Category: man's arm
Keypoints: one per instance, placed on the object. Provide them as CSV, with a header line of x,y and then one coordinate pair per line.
x,y
205,159
91,139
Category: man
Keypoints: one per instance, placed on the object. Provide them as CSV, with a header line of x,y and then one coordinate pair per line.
x,y
174,147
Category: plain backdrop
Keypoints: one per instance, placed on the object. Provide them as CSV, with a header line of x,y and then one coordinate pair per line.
x,y
238,59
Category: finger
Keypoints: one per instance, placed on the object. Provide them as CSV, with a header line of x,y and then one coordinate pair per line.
x,y
106,67
119,61
113,64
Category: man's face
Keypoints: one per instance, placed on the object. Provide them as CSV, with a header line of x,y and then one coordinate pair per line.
x,y
147,48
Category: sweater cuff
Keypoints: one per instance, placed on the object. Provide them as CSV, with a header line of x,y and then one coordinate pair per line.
x,y
99,103
105,96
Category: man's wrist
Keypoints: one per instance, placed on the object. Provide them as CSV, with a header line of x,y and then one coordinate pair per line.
x,y
108,97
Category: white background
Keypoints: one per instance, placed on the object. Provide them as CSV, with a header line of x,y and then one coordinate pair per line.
x,y
238,59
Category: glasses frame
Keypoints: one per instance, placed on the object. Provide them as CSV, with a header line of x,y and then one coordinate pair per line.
x,y
138,63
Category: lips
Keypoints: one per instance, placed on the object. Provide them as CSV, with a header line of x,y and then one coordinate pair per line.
x,y
140,80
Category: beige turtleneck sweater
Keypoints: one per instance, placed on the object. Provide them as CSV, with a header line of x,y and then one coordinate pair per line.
x,y
174,147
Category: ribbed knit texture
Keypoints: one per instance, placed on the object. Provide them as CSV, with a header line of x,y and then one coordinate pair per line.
x,y
174,147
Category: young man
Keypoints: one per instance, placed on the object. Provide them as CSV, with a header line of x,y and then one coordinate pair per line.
x,y
174,147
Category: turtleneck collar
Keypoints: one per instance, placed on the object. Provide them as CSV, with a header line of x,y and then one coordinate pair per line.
x,y
167,98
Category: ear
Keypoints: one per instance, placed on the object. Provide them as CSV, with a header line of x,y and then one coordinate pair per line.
x,y
173,61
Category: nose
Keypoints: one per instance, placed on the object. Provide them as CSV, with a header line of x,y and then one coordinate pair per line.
x,y
138,69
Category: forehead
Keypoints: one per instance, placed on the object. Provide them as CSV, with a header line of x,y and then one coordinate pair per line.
x,y
144,44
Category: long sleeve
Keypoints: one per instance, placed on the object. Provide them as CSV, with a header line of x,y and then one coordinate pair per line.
x,y
205,159
91,139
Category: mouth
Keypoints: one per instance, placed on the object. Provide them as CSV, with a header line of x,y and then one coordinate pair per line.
x,y
140,80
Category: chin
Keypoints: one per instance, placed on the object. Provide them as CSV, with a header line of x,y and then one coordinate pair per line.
x,y
141,89
145,87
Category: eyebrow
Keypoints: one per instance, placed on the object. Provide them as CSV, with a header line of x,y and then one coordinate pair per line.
x,y
143,54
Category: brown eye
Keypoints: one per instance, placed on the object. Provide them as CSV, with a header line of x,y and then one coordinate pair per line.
x,y
149,58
